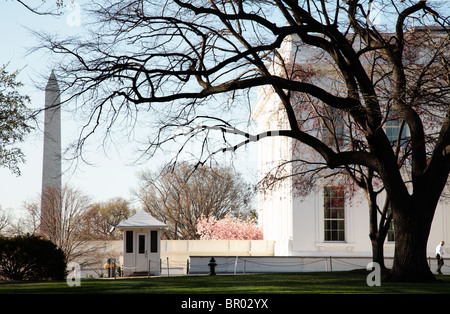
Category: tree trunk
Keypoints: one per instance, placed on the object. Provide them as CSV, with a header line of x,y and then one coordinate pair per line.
x,y
412,228
377,234
378,250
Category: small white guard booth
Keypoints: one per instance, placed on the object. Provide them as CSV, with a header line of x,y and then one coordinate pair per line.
x,y
141,244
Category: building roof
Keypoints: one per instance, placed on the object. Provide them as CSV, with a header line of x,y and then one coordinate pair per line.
x,y
141,219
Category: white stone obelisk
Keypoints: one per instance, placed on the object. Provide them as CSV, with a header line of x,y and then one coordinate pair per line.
x,y
51,169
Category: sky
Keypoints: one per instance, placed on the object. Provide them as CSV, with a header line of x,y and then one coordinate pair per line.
x,y
113,172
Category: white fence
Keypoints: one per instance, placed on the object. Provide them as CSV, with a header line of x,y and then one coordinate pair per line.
x,y
279,264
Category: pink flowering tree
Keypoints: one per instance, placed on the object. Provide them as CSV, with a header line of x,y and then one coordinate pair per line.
x,y
228,228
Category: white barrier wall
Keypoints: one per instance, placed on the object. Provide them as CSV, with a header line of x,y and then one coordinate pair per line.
x,y
175,254
283,264
277,264
217,247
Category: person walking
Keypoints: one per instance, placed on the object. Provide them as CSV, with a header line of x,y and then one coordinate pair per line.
x,y
439,256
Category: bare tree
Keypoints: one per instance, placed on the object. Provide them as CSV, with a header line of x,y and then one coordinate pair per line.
x,y
180,197
102,218
64,221
39,8
5,220
173,61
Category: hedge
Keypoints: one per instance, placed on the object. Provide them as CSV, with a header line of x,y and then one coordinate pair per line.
x,y
31,258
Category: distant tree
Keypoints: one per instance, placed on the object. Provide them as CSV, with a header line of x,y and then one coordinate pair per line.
x,y
64,221
103,217
5,220
228,228
181,196
14,117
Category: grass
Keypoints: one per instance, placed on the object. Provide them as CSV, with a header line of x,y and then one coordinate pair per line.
x,y
285,283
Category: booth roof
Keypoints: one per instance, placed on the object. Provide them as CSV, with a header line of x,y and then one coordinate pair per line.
x,y
142,219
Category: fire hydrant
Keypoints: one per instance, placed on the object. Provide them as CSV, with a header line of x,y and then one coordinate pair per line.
x,y
212,266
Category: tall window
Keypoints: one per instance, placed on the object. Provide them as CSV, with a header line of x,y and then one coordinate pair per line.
x,y
393,130
129,241
141,244
336,137
334,213
153,241
332,127
391,232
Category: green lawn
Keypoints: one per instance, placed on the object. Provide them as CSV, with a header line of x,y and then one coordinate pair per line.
x,y
286,283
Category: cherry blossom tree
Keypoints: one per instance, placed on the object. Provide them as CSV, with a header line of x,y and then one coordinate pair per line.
x,y
228,228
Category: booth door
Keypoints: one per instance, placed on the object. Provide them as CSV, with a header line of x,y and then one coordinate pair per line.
x,y
142,252
153,253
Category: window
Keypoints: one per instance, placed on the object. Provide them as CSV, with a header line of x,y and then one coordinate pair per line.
x,y
154,241
129,242
334,213
391,233
336,136
141,242
393,130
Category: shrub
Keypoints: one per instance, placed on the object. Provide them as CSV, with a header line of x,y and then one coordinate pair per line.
x,y
31,258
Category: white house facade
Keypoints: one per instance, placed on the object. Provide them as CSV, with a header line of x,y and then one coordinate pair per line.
x,y
298,218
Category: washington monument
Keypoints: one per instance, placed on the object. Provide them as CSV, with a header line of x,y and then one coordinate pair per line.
x,y
51,169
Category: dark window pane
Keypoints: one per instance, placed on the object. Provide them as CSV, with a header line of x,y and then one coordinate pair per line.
x,y
334,213
154,241
141,244
129,242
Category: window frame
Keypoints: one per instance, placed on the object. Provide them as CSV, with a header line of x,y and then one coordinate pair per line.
x,y
334,221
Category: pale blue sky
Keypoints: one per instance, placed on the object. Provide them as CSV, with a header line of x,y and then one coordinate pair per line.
x,y
112,176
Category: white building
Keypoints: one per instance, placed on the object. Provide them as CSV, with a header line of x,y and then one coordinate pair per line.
x,y
297,220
